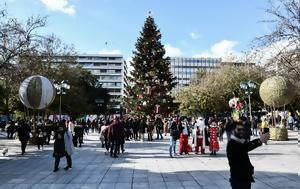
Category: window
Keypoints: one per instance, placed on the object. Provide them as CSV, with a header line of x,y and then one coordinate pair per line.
x,y
103,71
118,71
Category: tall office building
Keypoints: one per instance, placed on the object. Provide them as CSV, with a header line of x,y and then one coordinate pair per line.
x,y
110,69
185,68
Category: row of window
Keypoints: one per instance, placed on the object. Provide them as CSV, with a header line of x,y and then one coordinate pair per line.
x,y
114,90
106,77
107,64
113,84
193,60
187,79
110,71
99,58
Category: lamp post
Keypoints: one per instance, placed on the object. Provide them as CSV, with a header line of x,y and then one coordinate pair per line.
x,y
61,88
248,86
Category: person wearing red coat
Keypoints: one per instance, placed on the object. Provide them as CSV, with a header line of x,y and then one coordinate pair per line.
x,y
213,135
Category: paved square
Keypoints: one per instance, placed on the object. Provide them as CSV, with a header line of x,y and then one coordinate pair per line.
x,y
145,165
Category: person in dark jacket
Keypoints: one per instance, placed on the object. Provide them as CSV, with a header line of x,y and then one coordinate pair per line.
x,y
59,149
135,128
24,135
78,137
174,136
115,134
241,169
142,128
159,128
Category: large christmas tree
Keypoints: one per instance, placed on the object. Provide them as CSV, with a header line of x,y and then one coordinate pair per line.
x,y
151,81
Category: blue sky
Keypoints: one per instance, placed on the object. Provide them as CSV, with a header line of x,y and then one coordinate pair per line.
x,y
190,28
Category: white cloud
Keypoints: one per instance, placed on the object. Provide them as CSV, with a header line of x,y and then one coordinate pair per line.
x,y
106,51
194,35
172,51
60,5
265,54
221,49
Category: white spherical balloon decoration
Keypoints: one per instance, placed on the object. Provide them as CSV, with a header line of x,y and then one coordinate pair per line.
x,y
37,92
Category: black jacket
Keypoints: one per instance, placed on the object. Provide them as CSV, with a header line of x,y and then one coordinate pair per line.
x,y
59,148
241,168
24,132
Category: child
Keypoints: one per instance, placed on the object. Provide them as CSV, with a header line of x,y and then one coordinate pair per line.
x,y
214,143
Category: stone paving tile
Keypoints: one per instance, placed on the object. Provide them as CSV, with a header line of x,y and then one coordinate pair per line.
x,y
123,186
145,165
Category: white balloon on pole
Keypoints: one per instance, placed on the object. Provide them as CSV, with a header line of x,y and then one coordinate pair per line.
x,y
37,92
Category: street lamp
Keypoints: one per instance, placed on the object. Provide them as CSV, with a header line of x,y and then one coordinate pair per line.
x,y
248,86
61,88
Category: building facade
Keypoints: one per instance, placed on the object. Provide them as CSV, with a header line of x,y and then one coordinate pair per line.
x,y
184,69
110,69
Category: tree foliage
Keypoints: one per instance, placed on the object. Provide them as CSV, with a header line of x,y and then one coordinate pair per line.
x,y
25,52
214,91
151,80
284,37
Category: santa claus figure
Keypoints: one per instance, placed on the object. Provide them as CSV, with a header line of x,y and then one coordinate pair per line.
x,y
199,135
213,138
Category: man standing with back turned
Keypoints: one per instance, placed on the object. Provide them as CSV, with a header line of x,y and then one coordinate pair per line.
x,y
241,169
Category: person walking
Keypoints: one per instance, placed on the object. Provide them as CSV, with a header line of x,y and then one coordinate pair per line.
x,y
10,129
241,169
159,127
166,126
174,136
59,149
135,128
78,137
24,133
69,147
291,121
40,137
264,128
150,128
114,136
142,128
254,123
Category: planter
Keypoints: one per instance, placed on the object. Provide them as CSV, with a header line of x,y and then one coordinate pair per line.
x,y
279,134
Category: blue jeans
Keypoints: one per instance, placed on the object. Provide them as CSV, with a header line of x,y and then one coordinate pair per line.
x,y
172,146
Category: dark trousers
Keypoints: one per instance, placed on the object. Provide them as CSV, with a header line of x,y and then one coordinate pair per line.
x,y
23,145
158,133
10,135
135,135
40,142
150,137
57,160
114,147
47,138
240,184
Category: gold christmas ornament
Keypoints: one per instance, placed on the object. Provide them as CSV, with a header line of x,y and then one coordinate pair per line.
x,y
277,91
